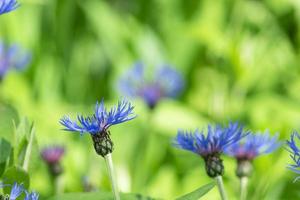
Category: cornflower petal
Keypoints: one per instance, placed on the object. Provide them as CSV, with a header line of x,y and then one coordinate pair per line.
x,y
31,196
214,142
293,149
8,5
101,120
16,191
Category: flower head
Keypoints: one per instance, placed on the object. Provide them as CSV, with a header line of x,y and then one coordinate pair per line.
x,y
209,146
294,153
12,57
164,82
249,148
101,120
214,142
97,125
8,5
253,145
52,154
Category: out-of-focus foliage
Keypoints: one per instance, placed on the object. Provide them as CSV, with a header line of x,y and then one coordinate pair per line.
x,y
240,60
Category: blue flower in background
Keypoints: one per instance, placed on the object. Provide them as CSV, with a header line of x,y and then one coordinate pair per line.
x,y
12,57
8,5
253,145
209,146
214,142
163,81
31,196
16,191
294,153
97,125
101,120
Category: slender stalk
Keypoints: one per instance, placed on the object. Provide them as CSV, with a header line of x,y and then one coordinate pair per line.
x,y
221,187
28,152
243,187
55,184
110,168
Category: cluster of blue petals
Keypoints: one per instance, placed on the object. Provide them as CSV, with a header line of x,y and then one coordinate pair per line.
x,y
164,81
18,189
216,140
294,153
12,57
253,145
101,120
8,5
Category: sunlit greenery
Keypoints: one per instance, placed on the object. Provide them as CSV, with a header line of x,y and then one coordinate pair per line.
x,y
240,60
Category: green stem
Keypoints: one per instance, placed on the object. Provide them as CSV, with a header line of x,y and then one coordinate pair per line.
x,y
221,188
55,184
243,187
28,152
110,168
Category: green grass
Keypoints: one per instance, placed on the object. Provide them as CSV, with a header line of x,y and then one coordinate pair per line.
x,y
240,60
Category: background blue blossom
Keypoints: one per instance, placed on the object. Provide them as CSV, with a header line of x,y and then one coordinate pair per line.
x,y
253,145
240,61
151,84
12,57
17,190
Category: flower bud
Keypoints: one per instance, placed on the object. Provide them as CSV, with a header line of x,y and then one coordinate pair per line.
x,y
214,166
102,143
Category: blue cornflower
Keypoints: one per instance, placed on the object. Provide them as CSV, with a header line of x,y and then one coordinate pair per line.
x,y
249,148
16,191
31,196
253,145
102,119
97,125
209,146
214,142
8,5
294,153
12,57
163,81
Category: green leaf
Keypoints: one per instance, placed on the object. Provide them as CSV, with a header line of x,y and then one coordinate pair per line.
x,y
23,130
97,195
8,117
197,194
15,174
5,149
2,168
23,133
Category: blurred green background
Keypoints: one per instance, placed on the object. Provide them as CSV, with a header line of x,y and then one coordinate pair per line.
x,y
240,60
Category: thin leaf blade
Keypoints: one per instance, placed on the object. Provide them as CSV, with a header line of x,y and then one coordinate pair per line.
x,y
198,193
